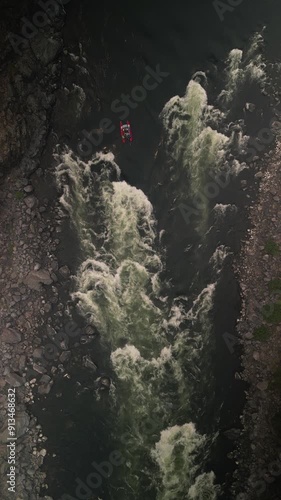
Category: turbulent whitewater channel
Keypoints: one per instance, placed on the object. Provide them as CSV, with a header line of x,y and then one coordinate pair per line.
x,y
161,347
157,346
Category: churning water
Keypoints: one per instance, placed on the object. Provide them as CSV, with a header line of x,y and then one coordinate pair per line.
x,y
161,346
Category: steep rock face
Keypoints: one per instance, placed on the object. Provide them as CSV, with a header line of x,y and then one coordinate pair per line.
x,y
29,79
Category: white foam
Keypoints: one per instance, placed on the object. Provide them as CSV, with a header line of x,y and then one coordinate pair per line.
x,y
243,67
176,454
218,258
116,288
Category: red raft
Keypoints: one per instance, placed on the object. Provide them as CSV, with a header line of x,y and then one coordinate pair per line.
x,y
126,132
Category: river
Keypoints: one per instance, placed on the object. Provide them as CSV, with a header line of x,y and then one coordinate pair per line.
x,y
157,226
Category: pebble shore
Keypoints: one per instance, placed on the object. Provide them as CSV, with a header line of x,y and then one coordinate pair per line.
x,y
259,269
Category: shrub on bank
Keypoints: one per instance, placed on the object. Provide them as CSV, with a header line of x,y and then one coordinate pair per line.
x,y
276,379
19,195
275,285
272,313
261,333
272,248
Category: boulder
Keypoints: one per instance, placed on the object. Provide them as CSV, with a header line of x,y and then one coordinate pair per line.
x,y
38,352
4,434
86,339
65,356
35,279
45,379
104,383
45,49
64,271
22,423
45,388
10,336
88,363
232,434
39,368
30,201
248,335
89,330
262,386
250,107
14,380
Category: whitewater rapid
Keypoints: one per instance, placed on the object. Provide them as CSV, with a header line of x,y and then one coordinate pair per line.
x,y
157,345
161,347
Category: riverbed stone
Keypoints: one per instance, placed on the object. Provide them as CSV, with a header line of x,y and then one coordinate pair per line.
x,y
250,107
30,201
45,49
89,363
13,379
45,379
38,352
10,336
35,279
39,368
44,388
22,423
262,386
89,330
64,271
248,335
65,356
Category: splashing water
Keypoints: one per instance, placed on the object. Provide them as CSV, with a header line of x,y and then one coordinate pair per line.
x,y
158,349
243,68
196,149
174,454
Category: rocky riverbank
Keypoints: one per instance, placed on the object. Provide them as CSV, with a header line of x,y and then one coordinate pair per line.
x,y
259,329
30,227
28,264
41,105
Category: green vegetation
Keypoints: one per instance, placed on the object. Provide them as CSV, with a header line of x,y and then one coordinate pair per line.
x,y
19,195
275,285
271,248
272,312
10,248
276,379
262,333
276,424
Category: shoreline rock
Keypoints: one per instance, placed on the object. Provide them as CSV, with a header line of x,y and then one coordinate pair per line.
x,y
29,83
259,330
